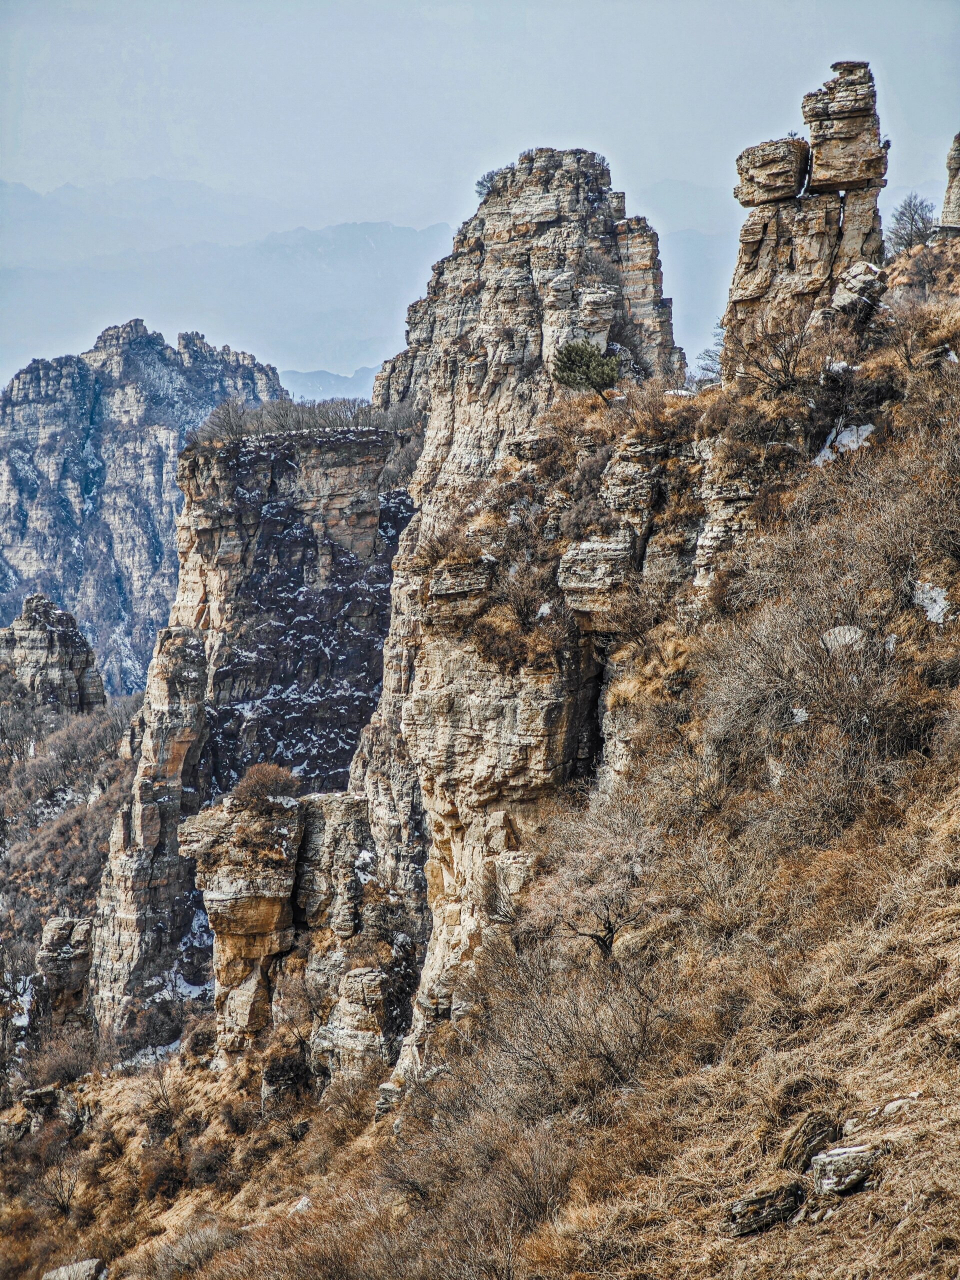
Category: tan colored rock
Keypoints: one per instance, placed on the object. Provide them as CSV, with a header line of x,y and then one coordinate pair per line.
x,y
794,251
846,151
46,651
246,865
950,214
772,171
460,751
63,970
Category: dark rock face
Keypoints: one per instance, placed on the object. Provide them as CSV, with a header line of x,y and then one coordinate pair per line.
x,y
88,495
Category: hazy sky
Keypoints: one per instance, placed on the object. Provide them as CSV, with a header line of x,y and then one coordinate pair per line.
x,y
390,109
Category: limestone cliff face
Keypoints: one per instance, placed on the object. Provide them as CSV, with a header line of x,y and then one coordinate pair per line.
x,y
950,215
272,653
46,652
813,231
88,499
464,746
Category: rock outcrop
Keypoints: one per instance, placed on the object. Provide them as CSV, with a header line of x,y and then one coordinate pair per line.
x,y
60,985
272,653
47,653
246,866
464,746
281,609
949,225
88,499
813,232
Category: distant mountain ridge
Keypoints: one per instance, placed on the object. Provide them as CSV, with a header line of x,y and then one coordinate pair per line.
x,y
323,385
88,493
333,298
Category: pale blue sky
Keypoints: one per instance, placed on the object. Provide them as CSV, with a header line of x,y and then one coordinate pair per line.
x,y
369,109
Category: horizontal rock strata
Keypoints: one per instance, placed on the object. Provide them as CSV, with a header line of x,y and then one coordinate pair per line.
x,y
810,221
272,653
47,653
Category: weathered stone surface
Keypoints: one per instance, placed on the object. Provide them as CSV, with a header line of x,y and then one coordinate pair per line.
x,y
950,214
772,171
863,284
763,1209
846,151
460,751
246,866
591,572
272,653
806,1139
47,653
797,253
60,988
843,1168
88,499
89,1269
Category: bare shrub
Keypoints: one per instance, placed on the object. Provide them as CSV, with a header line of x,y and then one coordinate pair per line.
x,y
264,782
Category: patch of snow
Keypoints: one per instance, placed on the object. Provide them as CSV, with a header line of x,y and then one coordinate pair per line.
x,y
844,441
932,600
544,610
800,715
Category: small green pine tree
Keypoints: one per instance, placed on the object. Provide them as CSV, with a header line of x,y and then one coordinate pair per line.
x,y
583,367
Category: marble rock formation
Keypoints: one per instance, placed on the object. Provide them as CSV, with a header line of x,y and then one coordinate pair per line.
x,y
88,499
272,652
949,225
796,246
47,653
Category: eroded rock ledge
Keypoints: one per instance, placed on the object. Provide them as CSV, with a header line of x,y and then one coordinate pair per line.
x,y
272,653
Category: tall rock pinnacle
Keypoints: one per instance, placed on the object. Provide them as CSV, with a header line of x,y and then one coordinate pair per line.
x,y
813,215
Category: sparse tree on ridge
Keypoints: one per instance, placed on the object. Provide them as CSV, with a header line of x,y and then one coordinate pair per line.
x,y
911,224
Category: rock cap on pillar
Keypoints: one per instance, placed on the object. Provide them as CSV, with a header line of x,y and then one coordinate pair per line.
x,y
847,153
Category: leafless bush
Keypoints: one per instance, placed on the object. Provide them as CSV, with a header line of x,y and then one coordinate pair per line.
x,y
597,879
262,782
770,358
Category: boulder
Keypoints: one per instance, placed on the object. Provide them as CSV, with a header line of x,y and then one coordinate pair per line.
x,y
842,1168
764,1208
772,171
90,1269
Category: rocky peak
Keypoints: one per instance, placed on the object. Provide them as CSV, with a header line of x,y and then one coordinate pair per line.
x,y
272,653
88,498
46,651
846,151
813,225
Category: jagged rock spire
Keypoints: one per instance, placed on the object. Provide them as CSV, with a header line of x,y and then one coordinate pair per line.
x,y
949,225
813,215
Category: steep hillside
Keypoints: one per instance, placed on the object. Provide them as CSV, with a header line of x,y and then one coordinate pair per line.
x,y
88,457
